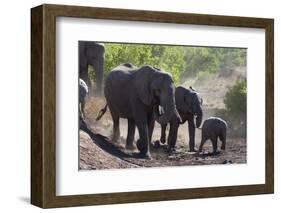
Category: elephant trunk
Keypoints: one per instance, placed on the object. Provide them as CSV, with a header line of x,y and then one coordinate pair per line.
x,y
199,115
170,112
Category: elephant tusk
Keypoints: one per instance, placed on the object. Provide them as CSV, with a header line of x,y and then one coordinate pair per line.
x,y
161,110
178,116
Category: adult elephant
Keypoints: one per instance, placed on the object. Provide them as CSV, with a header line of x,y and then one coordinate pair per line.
x,y
91,53
189,106
134,93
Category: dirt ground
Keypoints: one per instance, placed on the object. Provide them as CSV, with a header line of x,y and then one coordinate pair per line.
x,y
97,151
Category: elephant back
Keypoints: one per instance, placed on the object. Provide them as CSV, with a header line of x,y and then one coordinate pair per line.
x,y
118,88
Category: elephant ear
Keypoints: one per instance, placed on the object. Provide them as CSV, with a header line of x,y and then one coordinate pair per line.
x,y
142,83
180,99
188,100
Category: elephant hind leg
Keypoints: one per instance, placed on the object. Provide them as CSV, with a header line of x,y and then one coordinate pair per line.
x,y
131,134
215,144
223,140
116,128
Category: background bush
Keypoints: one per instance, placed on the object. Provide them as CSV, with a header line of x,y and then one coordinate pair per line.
x,y
181,61
236,99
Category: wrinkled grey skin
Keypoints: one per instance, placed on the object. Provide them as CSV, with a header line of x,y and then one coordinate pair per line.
x,y
91,53
83,91
189,106
133,93
214,128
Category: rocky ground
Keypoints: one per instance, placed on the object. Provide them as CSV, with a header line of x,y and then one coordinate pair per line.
x,y
97,151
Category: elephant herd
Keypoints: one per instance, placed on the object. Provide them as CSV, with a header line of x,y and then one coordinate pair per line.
x,y
146,94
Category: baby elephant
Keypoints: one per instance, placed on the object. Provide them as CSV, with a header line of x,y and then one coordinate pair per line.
x,y
213,128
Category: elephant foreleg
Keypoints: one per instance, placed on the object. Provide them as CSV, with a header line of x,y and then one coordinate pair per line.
x,y
173,134
150,123
141,120
223,140
191,130
98,68
203,140
163,133
143,142
131,134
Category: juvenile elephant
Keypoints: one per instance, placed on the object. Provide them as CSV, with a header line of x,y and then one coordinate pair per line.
x,y
214,128
189,105
134,93
91,53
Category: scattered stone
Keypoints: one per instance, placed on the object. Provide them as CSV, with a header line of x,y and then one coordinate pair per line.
x,y
227,162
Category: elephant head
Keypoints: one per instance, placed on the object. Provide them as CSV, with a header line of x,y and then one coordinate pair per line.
x,y
156,87
188,101
194,103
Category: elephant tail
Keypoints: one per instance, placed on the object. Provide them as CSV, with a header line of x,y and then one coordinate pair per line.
x,y
101,112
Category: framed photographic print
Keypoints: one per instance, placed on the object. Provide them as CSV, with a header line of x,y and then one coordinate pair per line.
x,y
137,106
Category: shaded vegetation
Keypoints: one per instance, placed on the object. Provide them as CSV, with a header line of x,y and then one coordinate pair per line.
x,y
236,99
235,111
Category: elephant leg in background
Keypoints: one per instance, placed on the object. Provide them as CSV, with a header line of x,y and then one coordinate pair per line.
x,y
82,109
215,144
163,133
173,134
191,130
131,134
97,65
223,140
150,124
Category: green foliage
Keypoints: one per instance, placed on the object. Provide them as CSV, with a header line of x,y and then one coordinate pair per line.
x,y
236,99
212,60
233,57
92,74
168,58
201,59
180,61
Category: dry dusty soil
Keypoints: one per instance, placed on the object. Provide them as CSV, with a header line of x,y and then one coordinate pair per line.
x,y
97,151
